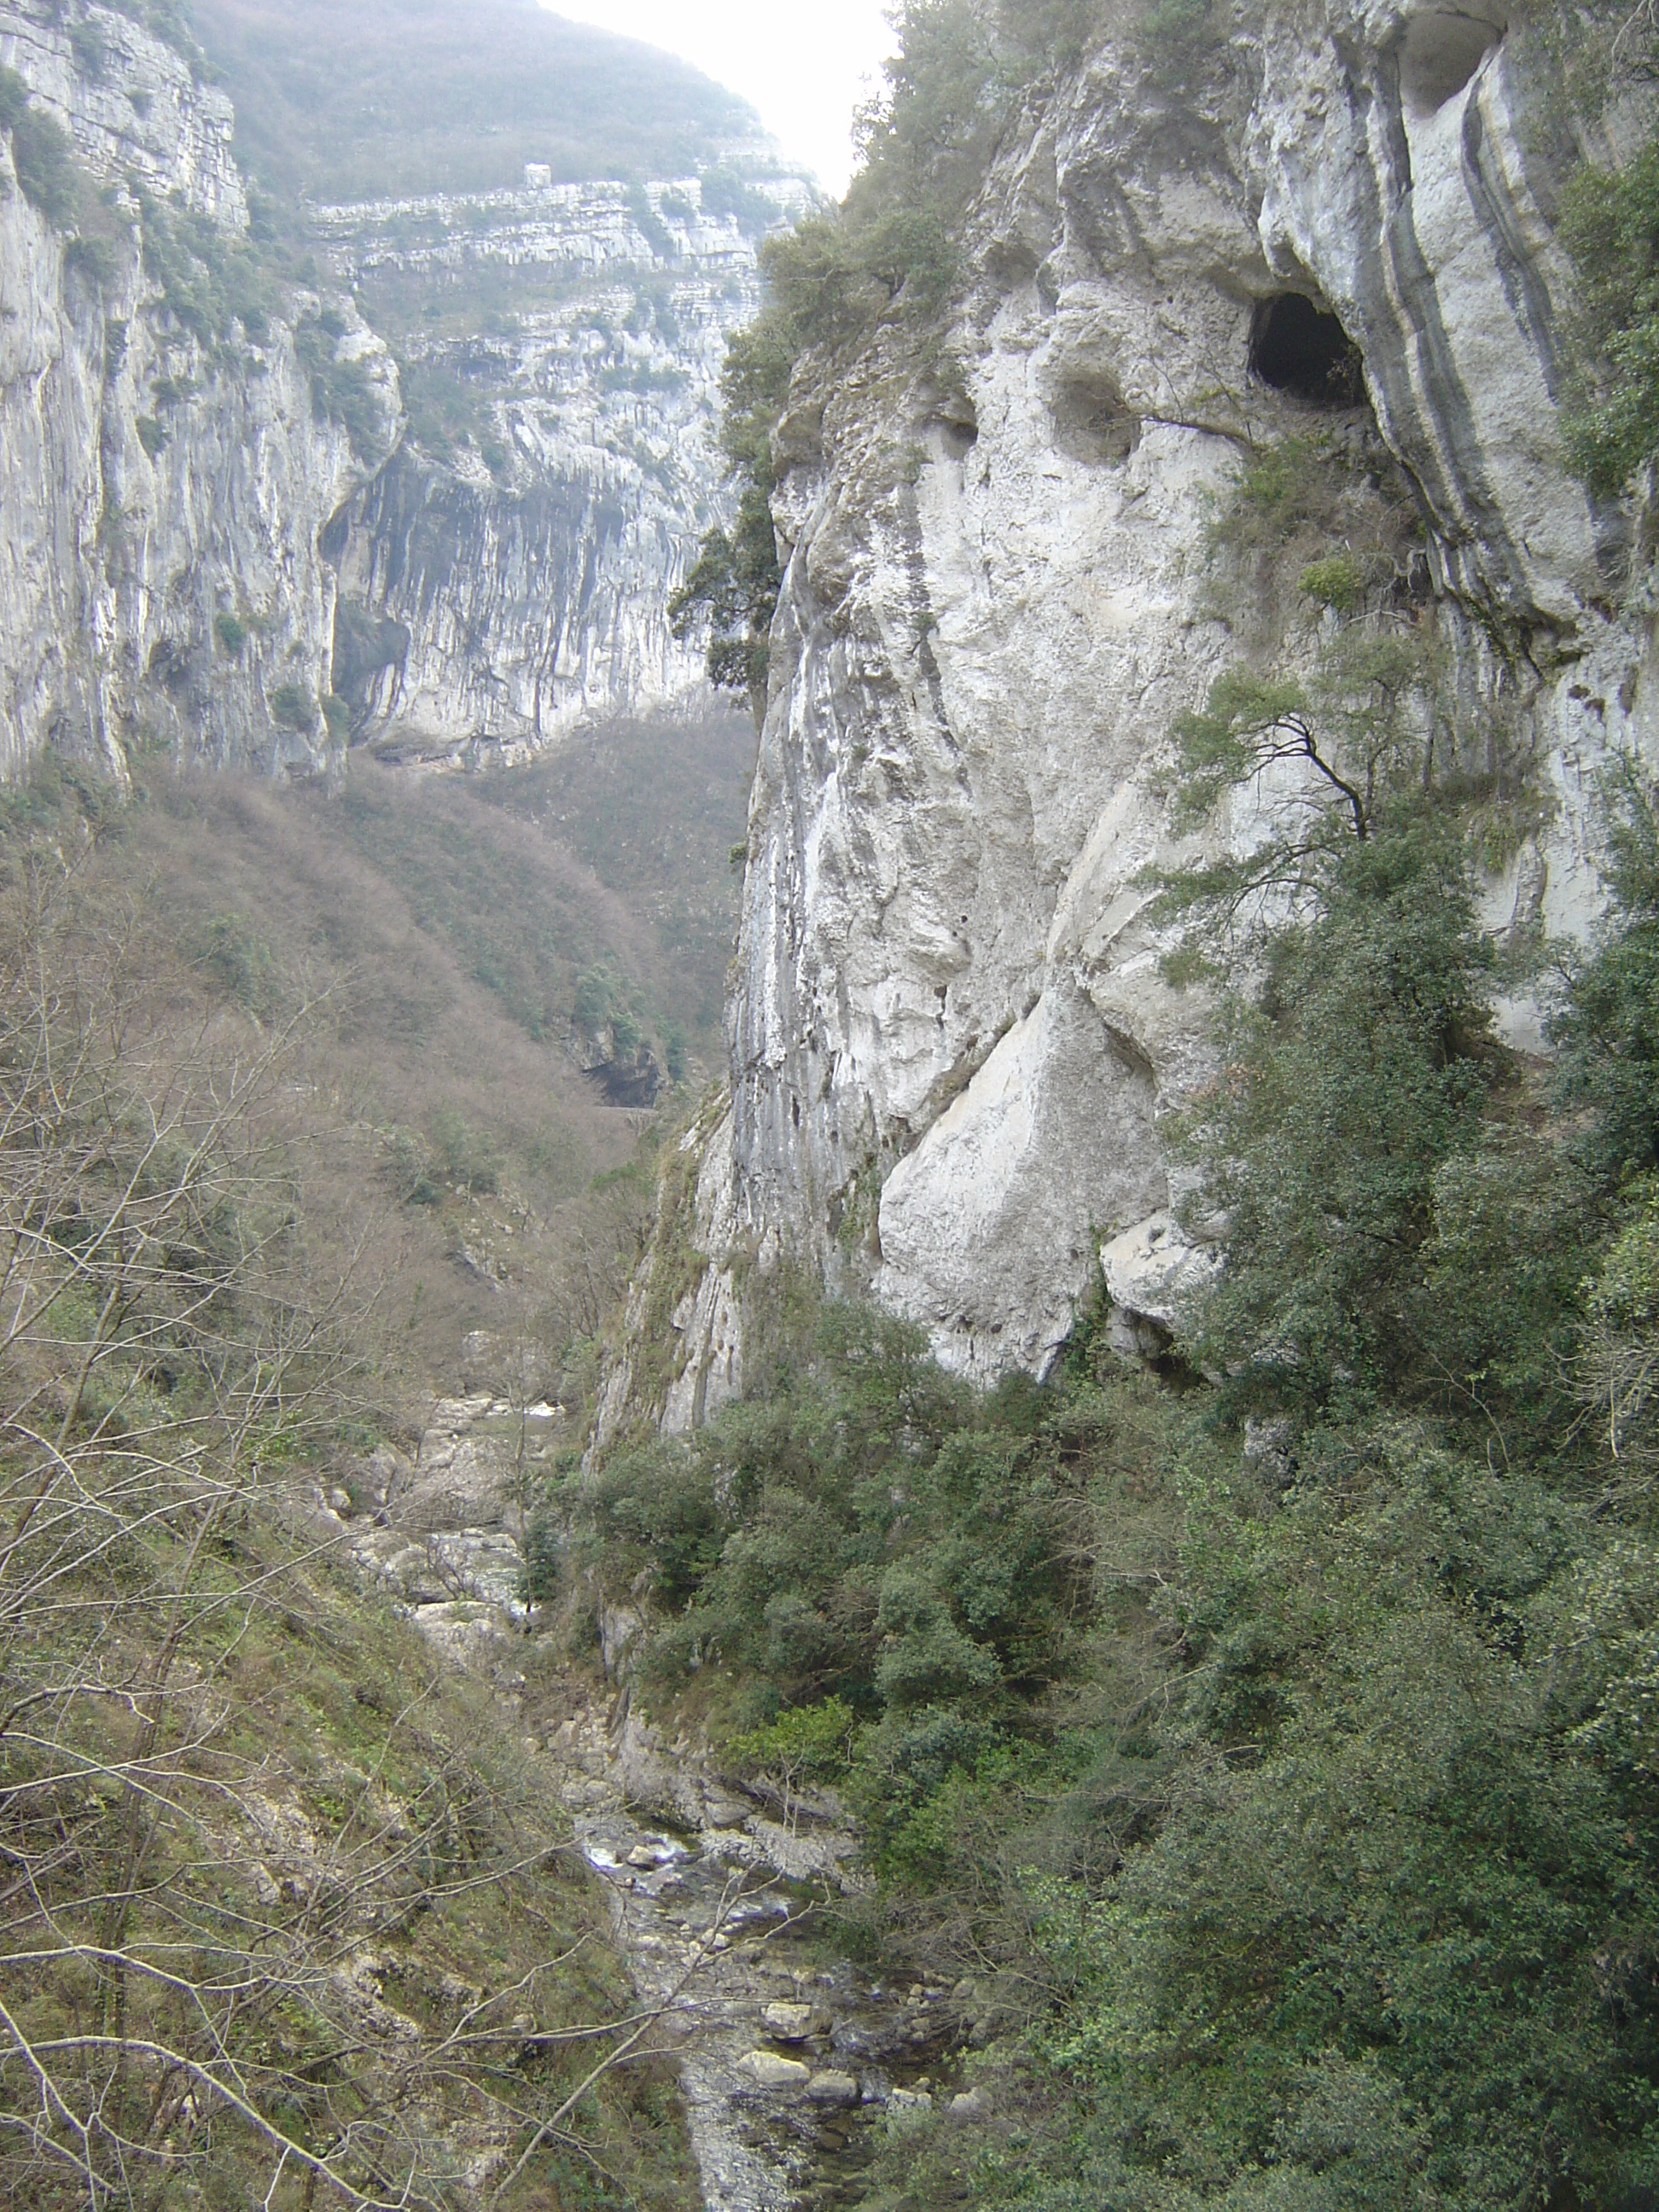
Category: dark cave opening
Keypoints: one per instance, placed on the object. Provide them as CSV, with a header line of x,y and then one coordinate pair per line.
x,y
1304,351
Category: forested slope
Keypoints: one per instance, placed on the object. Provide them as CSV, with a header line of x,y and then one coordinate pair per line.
x,y
293,1908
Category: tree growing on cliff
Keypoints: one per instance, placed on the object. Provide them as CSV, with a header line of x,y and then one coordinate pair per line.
x,y
1363,1066
1610,223
731,593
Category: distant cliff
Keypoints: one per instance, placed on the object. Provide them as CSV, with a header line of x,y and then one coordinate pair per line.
x,y
1015,557
223,533
515,580
166,471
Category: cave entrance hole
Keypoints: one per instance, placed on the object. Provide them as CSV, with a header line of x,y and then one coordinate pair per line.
x,y
1303,351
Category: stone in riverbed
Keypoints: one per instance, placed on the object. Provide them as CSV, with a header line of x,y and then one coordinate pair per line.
x,y
832,2088
910,2103
795,2023
768,2071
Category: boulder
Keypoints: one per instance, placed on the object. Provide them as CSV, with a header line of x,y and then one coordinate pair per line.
x,y
767,2071
831,2088
910,2104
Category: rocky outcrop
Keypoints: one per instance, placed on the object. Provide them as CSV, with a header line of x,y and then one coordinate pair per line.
x,y
164,481
217,538
950,1040
521,581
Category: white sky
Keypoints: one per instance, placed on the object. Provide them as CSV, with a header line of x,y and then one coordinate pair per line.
x,y
804,64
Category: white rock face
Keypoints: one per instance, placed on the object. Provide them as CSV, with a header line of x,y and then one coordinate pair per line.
x,y
1150,1272
151,485
115,559
984,1226
143,114
519,604
950,1041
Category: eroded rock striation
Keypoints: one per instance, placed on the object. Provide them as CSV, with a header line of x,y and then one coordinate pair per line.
x,y
165,474
518,584
951,1043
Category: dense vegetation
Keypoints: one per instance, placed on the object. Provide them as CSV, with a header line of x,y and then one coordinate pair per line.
x,y
1280,1743
1261,1741
1612,229
413,96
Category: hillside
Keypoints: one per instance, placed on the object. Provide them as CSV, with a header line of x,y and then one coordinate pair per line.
x,y
394,98
495,970
271,1153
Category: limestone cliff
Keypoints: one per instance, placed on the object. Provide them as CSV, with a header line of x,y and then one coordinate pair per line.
x,y
218,535
951,1044
166,475
519,582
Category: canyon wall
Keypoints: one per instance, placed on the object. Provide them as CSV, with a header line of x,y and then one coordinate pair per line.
x,y
223,535
951,1041
519,582
164,482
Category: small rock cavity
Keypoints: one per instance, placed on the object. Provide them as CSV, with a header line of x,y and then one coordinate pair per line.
x,y
1302,349
1440,53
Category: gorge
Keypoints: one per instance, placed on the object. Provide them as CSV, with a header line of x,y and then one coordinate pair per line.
x,y
1082,1452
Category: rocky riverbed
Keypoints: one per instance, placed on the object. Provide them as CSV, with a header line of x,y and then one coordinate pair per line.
x,y
795,2064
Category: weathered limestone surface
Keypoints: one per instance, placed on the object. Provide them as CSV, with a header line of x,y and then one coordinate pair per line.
x,y
480,605
525,599
951,1044
115,562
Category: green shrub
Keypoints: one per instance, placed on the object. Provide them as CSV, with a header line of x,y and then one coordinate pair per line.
x,y
291,706
411,1171
1607,1030
342,391
1367,1064
231,633
813,1742
725,192
1610,223
1338,582
89,48
95,258
14,98
543,1579
210,280
649,223
45,160
229,948
463,1156
731,593
152,434
1177,33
